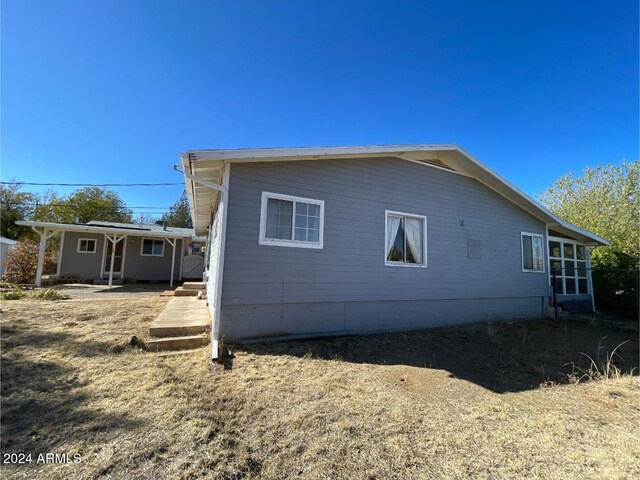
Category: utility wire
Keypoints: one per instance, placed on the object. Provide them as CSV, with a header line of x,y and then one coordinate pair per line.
x,y
36,204
94,184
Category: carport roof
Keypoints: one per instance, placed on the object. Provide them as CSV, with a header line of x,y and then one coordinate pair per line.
x,y
114,228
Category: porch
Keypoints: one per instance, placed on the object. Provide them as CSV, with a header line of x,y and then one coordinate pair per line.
x,y
108,253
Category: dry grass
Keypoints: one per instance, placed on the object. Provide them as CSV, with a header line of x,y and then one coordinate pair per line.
x,y
447,403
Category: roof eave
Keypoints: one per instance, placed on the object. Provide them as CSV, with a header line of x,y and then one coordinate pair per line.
x,y
104,230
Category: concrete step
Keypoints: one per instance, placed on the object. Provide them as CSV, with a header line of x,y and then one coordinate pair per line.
x,y
181,352
177,343
173,330
193,285
182,292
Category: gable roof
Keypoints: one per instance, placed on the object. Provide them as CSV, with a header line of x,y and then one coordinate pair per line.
x,y
209,165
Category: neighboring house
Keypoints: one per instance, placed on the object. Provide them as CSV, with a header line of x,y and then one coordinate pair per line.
x,y
370,239
6,245
140,252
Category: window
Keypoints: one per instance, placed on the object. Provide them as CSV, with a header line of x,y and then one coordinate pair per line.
x,y
288,221
568,265
86,245
532,252
406,240
152,247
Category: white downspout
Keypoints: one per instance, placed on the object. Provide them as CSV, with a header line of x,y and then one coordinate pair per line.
x,y
224,195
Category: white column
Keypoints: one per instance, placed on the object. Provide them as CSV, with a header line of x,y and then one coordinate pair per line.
x,y
43,247
113,258
113,243
182,246
60,254
173,257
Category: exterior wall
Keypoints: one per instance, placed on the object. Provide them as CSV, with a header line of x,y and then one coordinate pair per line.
x,y
212,263
141,267
5,248
90,265
346,286
87,265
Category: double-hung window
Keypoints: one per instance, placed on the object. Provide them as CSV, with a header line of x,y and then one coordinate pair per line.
x,y
406,240
86,245
152,247
532,252
289,221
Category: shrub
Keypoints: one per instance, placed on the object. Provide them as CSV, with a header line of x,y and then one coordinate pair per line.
x,y
48,294
15,294
22,262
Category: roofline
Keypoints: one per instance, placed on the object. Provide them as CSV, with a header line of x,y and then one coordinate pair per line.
x,y
535,203
68,227
243,155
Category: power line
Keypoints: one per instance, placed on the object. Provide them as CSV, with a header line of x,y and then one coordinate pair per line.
x,y
94,184
37,204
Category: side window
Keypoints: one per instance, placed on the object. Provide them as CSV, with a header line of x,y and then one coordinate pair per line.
x,y
86,245
532,252
406,236
288,221
152,247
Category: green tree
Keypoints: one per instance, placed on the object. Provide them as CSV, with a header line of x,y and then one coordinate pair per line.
x,y
90,203
14,205
179,214
604,200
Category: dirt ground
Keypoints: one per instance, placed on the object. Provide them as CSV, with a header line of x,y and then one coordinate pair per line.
x,y
128,290
483,401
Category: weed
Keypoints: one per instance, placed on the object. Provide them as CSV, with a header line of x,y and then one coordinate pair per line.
x,y
48,294
600,368
15,294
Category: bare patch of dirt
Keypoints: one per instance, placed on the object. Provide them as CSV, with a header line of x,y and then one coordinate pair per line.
x,y
484,401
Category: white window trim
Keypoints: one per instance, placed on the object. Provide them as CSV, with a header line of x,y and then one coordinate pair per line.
x,y
151,254
562,259
263,240
95,245
424,240
529,234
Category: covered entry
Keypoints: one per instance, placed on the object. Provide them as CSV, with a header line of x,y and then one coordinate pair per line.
x,y
108,252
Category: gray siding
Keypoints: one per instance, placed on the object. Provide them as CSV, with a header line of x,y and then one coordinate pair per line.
x,y
89,265
346,285
150,268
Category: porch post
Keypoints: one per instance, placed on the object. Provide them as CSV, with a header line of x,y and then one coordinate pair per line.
x,y
59,266
182,247
113,258
173,257
113,254
41,251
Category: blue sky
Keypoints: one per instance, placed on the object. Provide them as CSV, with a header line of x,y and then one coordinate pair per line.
x,y
102,91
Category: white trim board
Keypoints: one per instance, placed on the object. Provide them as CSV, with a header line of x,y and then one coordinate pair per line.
x,y
388,263
263,240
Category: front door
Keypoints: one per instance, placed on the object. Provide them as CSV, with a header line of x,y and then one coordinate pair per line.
x,y
117,261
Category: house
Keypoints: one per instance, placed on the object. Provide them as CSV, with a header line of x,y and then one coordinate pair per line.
x,y
108,252
331,240
6,245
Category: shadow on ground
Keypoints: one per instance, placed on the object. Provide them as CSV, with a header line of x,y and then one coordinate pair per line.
x,y
501,357
40,398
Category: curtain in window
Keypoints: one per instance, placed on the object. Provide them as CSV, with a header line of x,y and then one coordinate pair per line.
x,y
393,224
413,231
